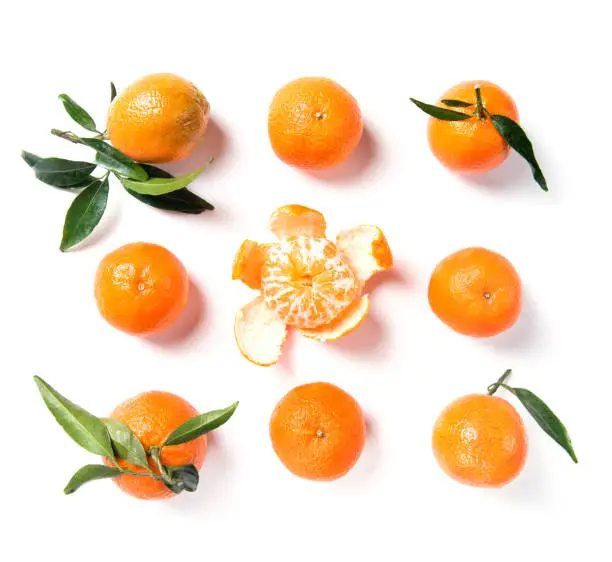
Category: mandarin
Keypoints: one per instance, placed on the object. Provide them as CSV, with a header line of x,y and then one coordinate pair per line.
x,y
480,440
477,292
159,118
318,431
152,417
473,145
141,288
314,123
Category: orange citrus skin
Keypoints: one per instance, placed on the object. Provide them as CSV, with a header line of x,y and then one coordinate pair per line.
x,y
159,118
472,146
480,440
152,417
476,292
314,123
141,288
318,431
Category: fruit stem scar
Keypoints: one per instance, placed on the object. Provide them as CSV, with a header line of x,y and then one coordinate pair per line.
x,y
320,434
486,295
479,105
319,115
492,388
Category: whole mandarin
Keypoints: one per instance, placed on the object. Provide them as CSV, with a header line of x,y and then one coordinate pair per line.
x,y
477,292
474,145
480,440
141,288
318,431
314,123
159,118
152,417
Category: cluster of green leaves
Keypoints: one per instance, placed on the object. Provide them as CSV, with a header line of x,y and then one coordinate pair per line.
x,y
509,130
114,440
539,411
149,184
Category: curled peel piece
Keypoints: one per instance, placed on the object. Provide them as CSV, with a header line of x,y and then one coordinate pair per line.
x,y
248,264
259,333
346,322
366,249
296,220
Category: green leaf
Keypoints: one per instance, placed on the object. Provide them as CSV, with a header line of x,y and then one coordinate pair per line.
x,y
113,91
200,425
125,444
84,214
545,418
78,114
457,103
30,159
181,201
90,473
512,133
161,186
63,173
86,430
114,160
440,112
155,172
185,477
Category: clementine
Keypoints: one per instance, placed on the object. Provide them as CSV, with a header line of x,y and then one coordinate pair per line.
x,y
141,288
480,440
473,145
318,431
152,417
159,118
476,292
314,123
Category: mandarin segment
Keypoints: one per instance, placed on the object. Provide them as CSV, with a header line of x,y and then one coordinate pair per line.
x,y
306,282
152,417
318,431
480,440
249,262
297,220
347,321
366,249
259,333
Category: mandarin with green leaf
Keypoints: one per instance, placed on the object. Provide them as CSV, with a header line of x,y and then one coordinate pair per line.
x,y
159,118
152,417
473,126
480,439
141,288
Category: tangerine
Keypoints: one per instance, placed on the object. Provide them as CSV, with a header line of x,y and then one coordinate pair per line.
x,y
480,440
152,417
314,123
318,431
141,288
477,292
473,145
159,118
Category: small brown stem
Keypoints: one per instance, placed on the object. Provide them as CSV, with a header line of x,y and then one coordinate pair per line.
x,y
492,388
480,110
67,135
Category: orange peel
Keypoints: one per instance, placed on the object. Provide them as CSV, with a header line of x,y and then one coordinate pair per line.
x,y
347,321
259,333
297,220
305,281
366,249
248,264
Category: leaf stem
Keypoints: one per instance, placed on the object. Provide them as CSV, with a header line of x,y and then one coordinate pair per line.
x,y
492,388
480,110
66,135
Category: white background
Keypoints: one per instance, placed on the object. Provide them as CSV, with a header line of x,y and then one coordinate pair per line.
x,y
403,365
